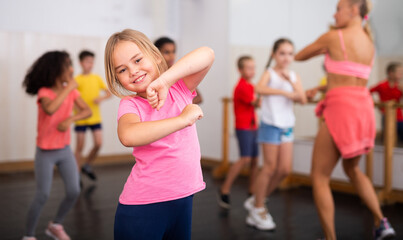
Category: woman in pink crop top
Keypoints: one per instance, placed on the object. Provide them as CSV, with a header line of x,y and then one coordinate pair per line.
x,y
349,128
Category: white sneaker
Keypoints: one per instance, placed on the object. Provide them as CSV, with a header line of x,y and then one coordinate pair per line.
x,y
249,203
28,238
261,219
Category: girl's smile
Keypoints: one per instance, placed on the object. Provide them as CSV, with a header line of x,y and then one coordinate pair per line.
x,y
134,70
140,79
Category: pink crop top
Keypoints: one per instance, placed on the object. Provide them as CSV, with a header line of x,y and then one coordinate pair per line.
x,y
347,67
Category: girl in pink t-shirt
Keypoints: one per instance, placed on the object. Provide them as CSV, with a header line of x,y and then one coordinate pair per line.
x,y
156,117
51,78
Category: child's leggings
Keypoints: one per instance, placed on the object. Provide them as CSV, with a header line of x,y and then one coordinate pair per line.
x,y
45,160
171,220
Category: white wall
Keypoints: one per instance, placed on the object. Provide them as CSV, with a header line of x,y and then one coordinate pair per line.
x,y
387,23
230,27
27,32
198,29
75,25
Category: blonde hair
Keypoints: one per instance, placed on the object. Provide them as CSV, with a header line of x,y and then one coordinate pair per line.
x,y
365,7
145,46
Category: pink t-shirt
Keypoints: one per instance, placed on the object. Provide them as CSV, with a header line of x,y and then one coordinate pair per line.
x,y
169,168
48,136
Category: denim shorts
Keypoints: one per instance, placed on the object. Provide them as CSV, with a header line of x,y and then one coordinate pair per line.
x,y
247,142
274,135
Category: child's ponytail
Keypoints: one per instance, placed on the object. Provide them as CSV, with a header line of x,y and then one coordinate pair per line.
x,y
269,62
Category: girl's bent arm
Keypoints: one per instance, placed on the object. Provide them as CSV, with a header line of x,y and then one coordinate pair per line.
x,y
316,48
301,96
51,106
133,133
263,89
83,112
192,68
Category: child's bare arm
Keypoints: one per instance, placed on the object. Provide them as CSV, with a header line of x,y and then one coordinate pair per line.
x,y
133,133
106,95
262,88
299,90
83,112
191,68
50,106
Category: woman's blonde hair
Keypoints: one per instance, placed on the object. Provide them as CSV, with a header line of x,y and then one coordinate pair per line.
x,y
365,7
145,46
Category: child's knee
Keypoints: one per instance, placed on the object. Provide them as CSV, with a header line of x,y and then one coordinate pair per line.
x,y
284,172
42,197
245,160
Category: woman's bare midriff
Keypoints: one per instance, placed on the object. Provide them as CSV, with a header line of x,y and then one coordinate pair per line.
x,y
335,80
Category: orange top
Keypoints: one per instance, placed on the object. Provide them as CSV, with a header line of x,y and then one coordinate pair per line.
x,y
48,136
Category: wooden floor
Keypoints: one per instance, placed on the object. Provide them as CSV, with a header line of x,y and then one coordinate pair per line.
x,y
93,216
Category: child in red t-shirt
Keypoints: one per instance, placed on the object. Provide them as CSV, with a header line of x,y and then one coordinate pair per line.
x,y
389,89
245,103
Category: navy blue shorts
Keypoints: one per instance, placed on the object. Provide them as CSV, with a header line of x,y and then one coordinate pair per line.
x,y
156,221
247,142
83,128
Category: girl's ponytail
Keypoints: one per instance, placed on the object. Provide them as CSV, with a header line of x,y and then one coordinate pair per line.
x,y
269,62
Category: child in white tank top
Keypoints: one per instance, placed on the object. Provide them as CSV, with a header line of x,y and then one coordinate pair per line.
x,y
279,88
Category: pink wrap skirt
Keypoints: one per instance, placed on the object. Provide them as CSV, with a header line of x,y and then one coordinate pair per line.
x,y
349,115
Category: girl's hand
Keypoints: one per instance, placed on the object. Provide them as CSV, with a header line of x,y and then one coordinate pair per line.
x,y
191,113
257,102
285,75
71,83
311,93
292,95
64,125
97,100
157,92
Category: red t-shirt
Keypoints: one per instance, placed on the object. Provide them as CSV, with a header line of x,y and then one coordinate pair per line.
x,y
245,117
386,93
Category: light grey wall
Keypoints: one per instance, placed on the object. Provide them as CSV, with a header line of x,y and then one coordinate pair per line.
x,y
387,22
205,23
230,27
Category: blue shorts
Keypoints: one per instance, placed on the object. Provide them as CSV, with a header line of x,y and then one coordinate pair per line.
x,y
247,143
274,135
84,127
156,221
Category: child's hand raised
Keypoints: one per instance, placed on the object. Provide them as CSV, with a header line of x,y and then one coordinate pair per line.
x,y
191,113
71,83
157,92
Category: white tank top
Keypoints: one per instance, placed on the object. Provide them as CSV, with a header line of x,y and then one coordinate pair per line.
x,y
277,110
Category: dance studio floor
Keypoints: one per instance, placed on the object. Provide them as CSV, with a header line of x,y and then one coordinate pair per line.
x,y
93,215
